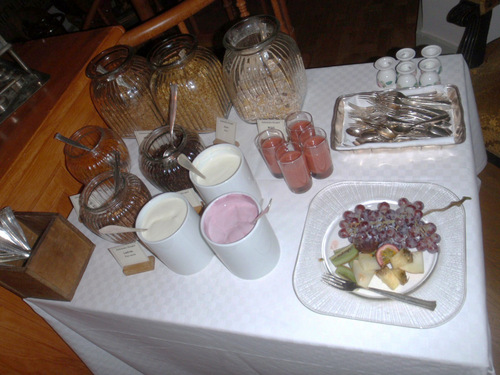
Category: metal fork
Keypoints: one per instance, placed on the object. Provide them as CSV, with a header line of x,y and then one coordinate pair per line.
x,y
350,286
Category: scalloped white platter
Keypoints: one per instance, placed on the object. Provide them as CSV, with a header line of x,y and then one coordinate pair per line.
x,y
443,279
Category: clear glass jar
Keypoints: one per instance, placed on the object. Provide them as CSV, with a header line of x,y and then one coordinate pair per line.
x,y
201,96
102,203
103,143
263,70
158,157
120,91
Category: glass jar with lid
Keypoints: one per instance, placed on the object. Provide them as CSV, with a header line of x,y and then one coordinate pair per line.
x,y
263,70
103,143
106,202
120,90
202,96
158,157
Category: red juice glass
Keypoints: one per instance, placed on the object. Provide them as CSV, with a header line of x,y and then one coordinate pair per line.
x,y
317,152
294,167
267,141
296,123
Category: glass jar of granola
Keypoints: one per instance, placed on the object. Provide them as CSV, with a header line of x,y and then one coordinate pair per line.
x,y
201,96
263,70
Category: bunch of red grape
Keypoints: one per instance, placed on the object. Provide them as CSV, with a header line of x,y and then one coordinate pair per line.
x,y
403,227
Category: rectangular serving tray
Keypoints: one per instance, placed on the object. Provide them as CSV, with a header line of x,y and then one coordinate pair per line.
x,y
341,141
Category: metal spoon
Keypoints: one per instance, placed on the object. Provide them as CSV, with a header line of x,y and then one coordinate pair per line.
x,y
71,142
173,108
116,229
186,163
263,212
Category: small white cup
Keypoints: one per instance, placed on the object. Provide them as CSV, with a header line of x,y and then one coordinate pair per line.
x,y
224,222
173,233
226,170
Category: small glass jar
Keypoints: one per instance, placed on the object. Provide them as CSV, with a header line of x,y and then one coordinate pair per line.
x,y
120,91
263,70
104,202
201,96
103,143
158,157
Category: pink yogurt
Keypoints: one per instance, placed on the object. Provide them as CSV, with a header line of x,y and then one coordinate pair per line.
x,y
229,218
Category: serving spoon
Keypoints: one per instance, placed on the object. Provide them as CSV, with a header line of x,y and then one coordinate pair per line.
x,y
263,212
116,229
71,142
186,163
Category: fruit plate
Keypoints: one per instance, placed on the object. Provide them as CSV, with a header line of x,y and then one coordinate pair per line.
x,y
442,281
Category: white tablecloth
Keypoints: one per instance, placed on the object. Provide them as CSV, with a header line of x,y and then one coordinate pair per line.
x,y
161,323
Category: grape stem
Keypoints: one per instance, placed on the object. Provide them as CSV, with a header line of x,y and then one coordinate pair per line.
x,y
452,204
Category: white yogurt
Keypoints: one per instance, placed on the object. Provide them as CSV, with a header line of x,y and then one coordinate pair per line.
x,y
218,168
164,219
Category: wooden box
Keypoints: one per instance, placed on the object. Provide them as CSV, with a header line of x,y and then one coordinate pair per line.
x,y
60,254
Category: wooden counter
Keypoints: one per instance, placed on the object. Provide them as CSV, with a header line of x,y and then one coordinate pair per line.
x,y
33,175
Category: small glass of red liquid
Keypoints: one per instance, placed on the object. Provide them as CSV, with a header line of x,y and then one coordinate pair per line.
x,y
293,165
317,152
296,123
267,141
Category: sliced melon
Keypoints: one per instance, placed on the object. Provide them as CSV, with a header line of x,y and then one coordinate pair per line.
x,y
417,265
368,262
388,277
401,258
363,277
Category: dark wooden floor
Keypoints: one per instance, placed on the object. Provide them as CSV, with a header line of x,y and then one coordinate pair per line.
x,y
329,32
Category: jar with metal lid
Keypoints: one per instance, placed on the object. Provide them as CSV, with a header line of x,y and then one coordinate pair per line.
x,y
103,143
120,90
263,70
104,202
202,96
158,157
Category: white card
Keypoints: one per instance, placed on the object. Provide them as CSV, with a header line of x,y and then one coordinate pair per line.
x,y
140,135
276,124
129,254
75,201
225,130
192,197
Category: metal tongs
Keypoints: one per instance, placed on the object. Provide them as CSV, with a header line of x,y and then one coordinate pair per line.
x,y
13,242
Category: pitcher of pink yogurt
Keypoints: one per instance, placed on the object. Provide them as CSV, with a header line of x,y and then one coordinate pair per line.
x,y
249,250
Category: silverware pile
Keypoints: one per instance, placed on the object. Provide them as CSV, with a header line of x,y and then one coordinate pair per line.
x,y
395,117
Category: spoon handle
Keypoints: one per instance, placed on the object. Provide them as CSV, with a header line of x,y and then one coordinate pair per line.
x,y
185,163
71,142
115,229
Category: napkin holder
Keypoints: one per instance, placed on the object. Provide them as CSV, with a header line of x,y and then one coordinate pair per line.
x,y
59,257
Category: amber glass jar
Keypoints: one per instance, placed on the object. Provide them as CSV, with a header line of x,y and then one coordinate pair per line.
x,y
263,70
202,96
102,203
158,157
120,91
103,143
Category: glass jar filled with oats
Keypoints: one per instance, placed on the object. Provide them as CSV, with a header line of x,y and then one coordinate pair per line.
x,y
263,70
201,96
120,90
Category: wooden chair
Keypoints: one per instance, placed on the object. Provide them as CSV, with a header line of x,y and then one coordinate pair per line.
x,y
155,25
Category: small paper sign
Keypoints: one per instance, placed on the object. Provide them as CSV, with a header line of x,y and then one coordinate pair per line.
x,y
140,135
225,131
192,197
266,124
75,201
129,254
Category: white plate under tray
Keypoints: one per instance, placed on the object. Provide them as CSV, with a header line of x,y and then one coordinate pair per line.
x,y
443,280
341,141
